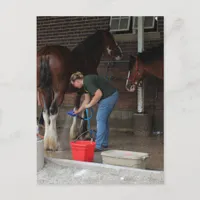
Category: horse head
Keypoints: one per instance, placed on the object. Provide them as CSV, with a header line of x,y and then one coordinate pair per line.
x,y
110,45
135,74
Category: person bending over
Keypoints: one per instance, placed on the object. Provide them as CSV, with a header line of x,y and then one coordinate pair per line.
x,y
97,90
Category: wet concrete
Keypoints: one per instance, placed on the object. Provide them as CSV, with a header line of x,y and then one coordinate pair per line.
x,y
153,145
119,139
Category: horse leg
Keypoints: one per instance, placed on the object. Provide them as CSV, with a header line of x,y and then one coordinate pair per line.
x,y
46,122
45,113
73,132
83,124
41,119
84,127
74,129
51,139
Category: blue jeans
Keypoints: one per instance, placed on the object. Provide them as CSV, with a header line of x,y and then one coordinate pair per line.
x,y
104,110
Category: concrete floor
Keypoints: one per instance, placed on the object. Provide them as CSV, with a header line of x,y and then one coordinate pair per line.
x,y
60,169
126,141
119,140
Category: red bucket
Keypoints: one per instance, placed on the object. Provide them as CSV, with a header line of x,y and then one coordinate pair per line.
x,y
83,150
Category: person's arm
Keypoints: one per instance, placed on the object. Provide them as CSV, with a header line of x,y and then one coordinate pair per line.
x,y
85,102
97,96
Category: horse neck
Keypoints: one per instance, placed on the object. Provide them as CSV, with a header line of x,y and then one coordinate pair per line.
x,y
88,58
97,51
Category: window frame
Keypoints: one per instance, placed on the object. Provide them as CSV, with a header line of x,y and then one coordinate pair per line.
x,y
131,34
133,18
120,18
145,27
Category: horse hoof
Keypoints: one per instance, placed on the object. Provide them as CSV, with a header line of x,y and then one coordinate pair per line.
x,y
50,143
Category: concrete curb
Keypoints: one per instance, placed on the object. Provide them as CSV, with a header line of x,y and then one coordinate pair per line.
x,y
157,177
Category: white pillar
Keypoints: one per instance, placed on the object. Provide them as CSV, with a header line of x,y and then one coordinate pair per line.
x,y
140,89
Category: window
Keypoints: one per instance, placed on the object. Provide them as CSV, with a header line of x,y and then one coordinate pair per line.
x,y
149,22
122,24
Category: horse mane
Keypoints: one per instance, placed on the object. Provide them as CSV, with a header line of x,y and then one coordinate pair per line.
x,y
91,42
152,54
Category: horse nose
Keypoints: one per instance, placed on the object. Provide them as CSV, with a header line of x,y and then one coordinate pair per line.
x,y
120,54
118,57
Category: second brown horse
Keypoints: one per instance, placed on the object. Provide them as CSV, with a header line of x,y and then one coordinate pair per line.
x,y
150,61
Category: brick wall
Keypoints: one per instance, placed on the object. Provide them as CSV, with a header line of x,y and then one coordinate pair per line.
x,y
67,30
70,31
161,26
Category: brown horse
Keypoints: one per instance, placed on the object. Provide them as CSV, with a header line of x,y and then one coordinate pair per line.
x,y
53,73
150,61
55,64
86,58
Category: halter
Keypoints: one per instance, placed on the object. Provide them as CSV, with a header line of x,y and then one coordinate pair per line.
x,y
117,45
136,73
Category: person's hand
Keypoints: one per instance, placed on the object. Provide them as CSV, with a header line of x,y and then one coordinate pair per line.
x,y
87,106
76,112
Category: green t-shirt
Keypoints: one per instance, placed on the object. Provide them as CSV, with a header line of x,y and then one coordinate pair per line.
x,y
91,83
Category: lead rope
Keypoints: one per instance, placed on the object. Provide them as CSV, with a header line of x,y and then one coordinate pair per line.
x,y
88,125
87,118
109,65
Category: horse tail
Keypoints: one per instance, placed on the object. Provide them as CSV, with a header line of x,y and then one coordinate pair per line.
x,y
45,73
